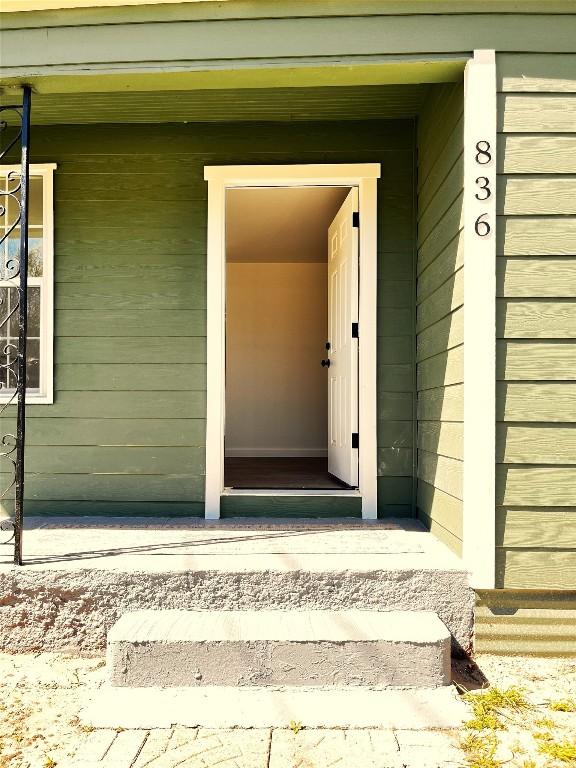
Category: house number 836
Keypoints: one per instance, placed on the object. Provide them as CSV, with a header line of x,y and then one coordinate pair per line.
x,y
483,156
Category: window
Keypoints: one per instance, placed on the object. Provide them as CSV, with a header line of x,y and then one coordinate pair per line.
x,y
39,380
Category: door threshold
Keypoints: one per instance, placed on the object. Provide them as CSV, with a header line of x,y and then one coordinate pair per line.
x,y
291,492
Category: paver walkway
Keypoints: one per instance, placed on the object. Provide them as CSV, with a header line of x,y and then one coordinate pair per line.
x,y
265,748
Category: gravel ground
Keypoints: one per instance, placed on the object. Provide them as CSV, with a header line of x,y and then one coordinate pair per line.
x,y
41,695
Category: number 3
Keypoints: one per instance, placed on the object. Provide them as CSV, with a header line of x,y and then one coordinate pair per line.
x,y
484,184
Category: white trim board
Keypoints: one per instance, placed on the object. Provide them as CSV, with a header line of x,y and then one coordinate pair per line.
x,y
291,492
219,178
479,482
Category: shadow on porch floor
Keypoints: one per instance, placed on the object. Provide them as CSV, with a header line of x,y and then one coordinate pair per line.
x,y
167,544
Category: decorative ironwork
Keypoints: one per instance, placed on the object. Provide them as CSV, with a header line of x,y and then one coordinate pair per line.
x,y
14,305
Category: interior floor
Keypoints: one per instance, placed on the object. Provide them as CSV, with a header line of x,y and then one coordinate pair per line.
x,y
304,473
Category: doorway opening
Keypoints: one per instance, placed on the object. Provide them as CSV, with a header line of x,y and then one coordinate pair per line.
x,y
291,399
362,493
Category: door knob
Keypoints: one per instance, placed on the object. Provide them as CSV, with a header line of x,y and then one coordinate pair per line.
x,y
325,363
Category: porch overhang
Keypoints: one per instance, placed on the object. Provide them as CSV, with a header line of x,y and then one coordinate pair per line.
x,y
265,73
364,87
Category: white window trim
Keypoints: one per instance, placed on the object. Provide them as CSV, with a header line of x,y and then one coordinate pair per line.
x,y
46,394
220,178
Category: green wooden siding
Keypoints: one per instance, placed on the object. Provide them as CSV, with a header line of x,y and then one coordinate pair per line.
x,y
439,324
291,506
536,325
126,433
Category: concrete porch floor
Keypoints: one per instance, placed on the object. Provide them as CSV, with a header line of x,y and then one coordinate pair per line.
x,y
81,574
169,544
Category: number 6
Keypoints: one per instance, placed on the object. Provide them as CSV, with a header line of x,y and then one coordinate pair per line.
x,y
482,228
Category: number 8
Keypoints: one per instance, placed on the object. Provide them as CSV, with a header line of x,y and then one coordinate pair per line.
x,y
483,152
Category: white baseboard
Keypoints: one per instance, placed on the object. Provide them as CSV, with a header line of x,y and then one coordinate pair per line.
x,y
276,452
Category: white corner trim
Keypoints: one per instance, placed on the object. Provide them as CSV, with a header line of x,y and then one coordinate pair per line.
x,y
362,175
479,485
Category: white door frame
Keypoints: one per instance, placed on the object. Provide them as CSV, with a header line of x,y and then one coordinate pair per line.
x,y
220,178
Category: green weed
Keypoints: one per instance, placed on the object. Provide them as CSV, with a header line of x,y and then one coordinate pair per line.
x,y
480,750
486,721
544,722
295,726
491,704
565,751
543,736
563,705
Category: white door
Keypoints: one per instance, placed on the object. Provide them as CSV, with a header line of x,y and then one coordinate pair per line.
x,y
342,354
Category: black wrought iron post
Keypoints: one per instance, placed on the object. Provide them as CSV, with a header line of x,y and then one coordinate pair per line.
x,y
15,269
22,328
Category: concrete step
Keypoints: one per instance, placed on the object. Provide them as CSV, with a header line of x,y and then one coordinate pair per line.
x,y
252,707
279,648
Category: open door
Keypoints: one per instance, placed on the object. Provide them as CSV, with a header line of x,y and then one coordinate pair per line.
x,y
342,346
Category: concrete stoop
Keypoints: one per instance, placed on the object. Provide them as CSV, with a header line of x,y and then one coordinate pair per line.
x,y
226,669
82,576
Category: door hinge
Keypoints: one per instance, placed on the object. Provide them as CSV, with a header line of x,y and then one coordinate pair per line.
x,y
355,219
355,440
354,330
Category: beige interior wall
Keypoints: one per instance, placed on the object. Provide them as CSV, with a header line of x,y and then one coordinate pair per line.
x,y
276,389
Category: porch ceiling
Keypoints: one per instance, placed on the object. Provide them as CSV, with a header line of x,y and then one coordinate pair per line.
x,y
229,105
